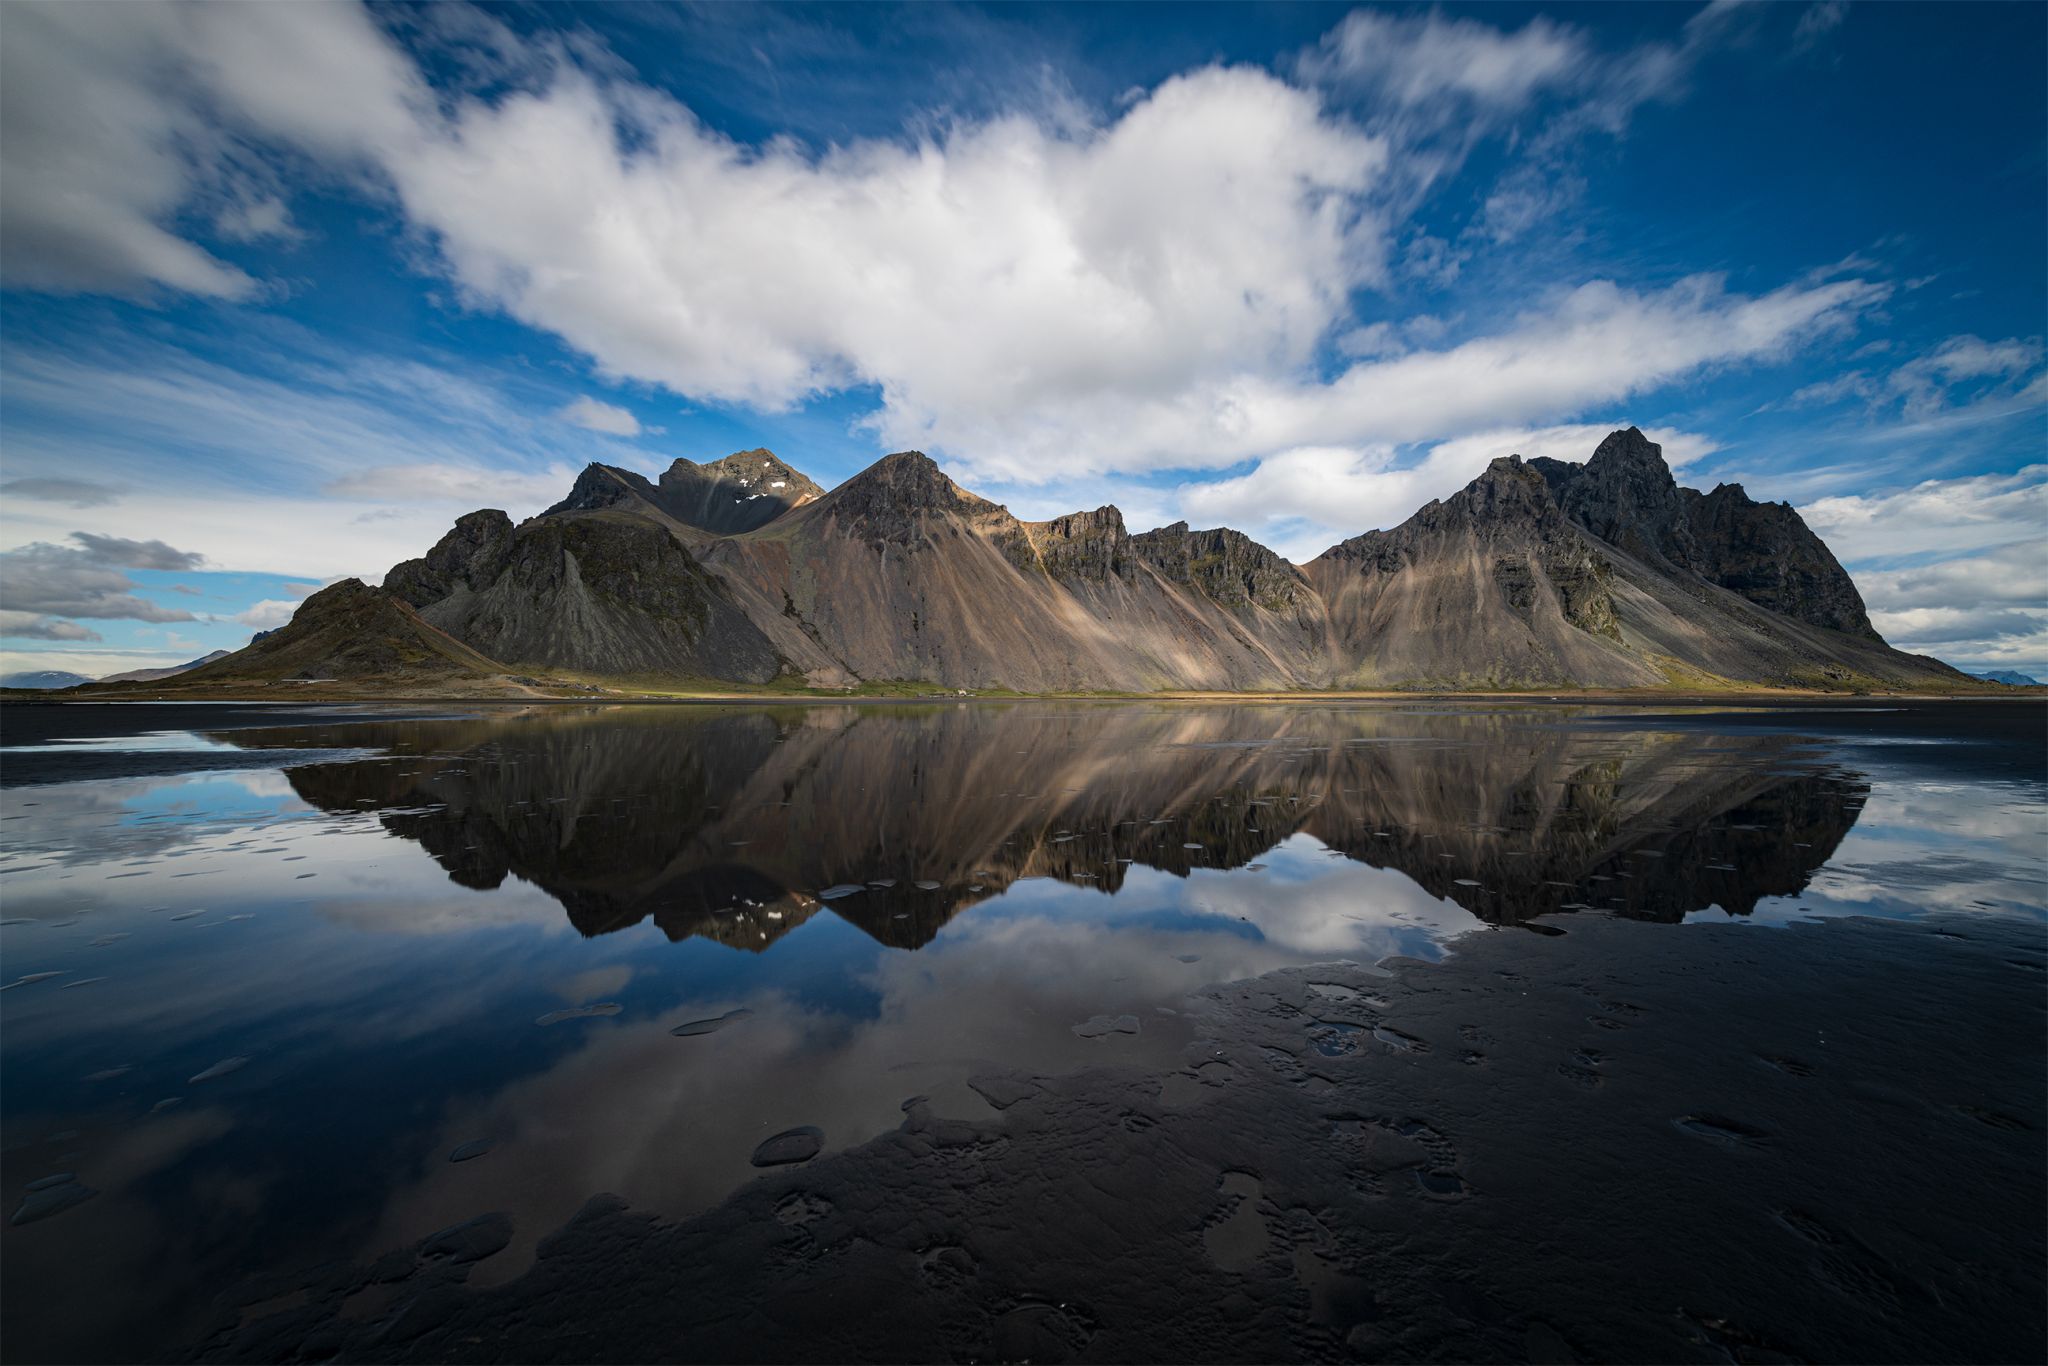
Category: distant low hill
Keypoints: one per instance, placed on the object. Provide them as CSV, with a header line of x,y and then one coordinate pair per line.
x,y
43,679
170,671
1538,574
2010,676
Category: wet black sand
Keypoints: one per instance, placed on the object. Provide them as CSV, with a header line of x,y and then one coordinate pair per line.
x,y
1627,1142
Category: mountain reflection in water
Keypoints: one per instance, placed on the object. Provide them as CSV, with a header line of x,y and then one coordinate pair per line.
x,y
306,986
728,824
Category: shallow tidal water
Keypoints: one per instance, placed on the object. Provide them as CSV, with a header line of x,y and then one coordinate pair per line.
x,y
294,989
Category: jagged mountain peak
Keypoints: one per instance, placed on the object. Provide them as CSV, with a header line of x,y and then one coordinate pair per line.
x,y
483,520
1738,495
1105,520
1510,496
759,469
1228,567
1080,544
1627,446
905,483
1507,492
1627,497
469,556
739,493
602,486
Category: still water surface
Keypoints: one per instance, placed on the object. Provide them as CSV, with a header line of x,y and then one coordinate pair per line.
x,y
324,988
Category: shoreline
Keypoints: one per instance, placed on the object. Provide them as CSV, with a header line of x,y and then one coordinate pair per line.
x,y
289,697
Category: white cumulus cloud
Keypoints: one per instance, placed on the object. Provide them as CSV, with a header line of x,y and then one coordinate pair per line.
x,y
1033,297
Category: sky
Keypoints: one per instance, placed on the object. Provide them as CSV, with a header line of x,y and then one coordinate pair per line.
x,y
286,288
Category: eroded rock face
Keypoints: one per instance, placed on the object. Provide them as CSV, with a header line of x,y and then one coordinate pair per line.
x,y
1626,496
471,555
1082,545
890,497
1767,553
605,486
1227,567
1489,587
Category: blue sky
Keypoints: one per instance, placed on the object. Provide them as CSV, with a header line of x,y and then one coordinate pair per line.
x,y
284,289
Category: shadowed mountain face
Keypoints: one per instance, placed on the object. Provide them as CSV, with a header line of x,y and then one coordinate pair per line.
x,y
1536,575
604,591
1763,551
736,825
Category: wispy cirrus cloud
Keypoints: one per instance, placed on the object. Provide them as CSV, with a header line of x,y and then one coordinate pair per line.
x,y
598,416
77,493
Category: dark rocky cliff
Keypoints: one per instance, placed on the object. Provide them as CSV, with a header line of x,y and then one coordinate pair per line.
x,y
1227,567
1765,552
1768,554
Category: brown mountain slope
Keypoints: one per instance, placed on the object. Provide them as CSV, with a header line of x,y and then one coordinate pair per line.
x,y
1607,575
900,573
1491,588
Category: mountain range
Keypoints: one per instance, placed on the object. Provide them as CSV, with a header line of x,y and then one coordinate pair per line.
x,y
1538,574
48,679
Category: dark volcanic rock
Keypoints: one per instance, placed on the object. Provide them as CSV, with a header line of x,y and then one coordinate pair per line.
x,y
1489,587
1082,545
471,555
1542,574
606,486
1767,553
894,498
604,592
1626,496
1228,567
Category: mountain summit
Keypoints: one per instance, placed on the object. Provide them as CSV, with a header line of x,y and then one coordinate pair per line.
x,y
1537,574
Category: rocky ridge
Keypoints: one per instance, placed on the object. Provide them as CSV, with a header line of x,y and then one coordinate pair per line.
x,y
1539,574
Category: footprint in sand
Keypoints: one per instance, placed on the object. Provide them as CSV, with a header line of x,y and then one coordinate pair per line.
x,y
1238,1240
